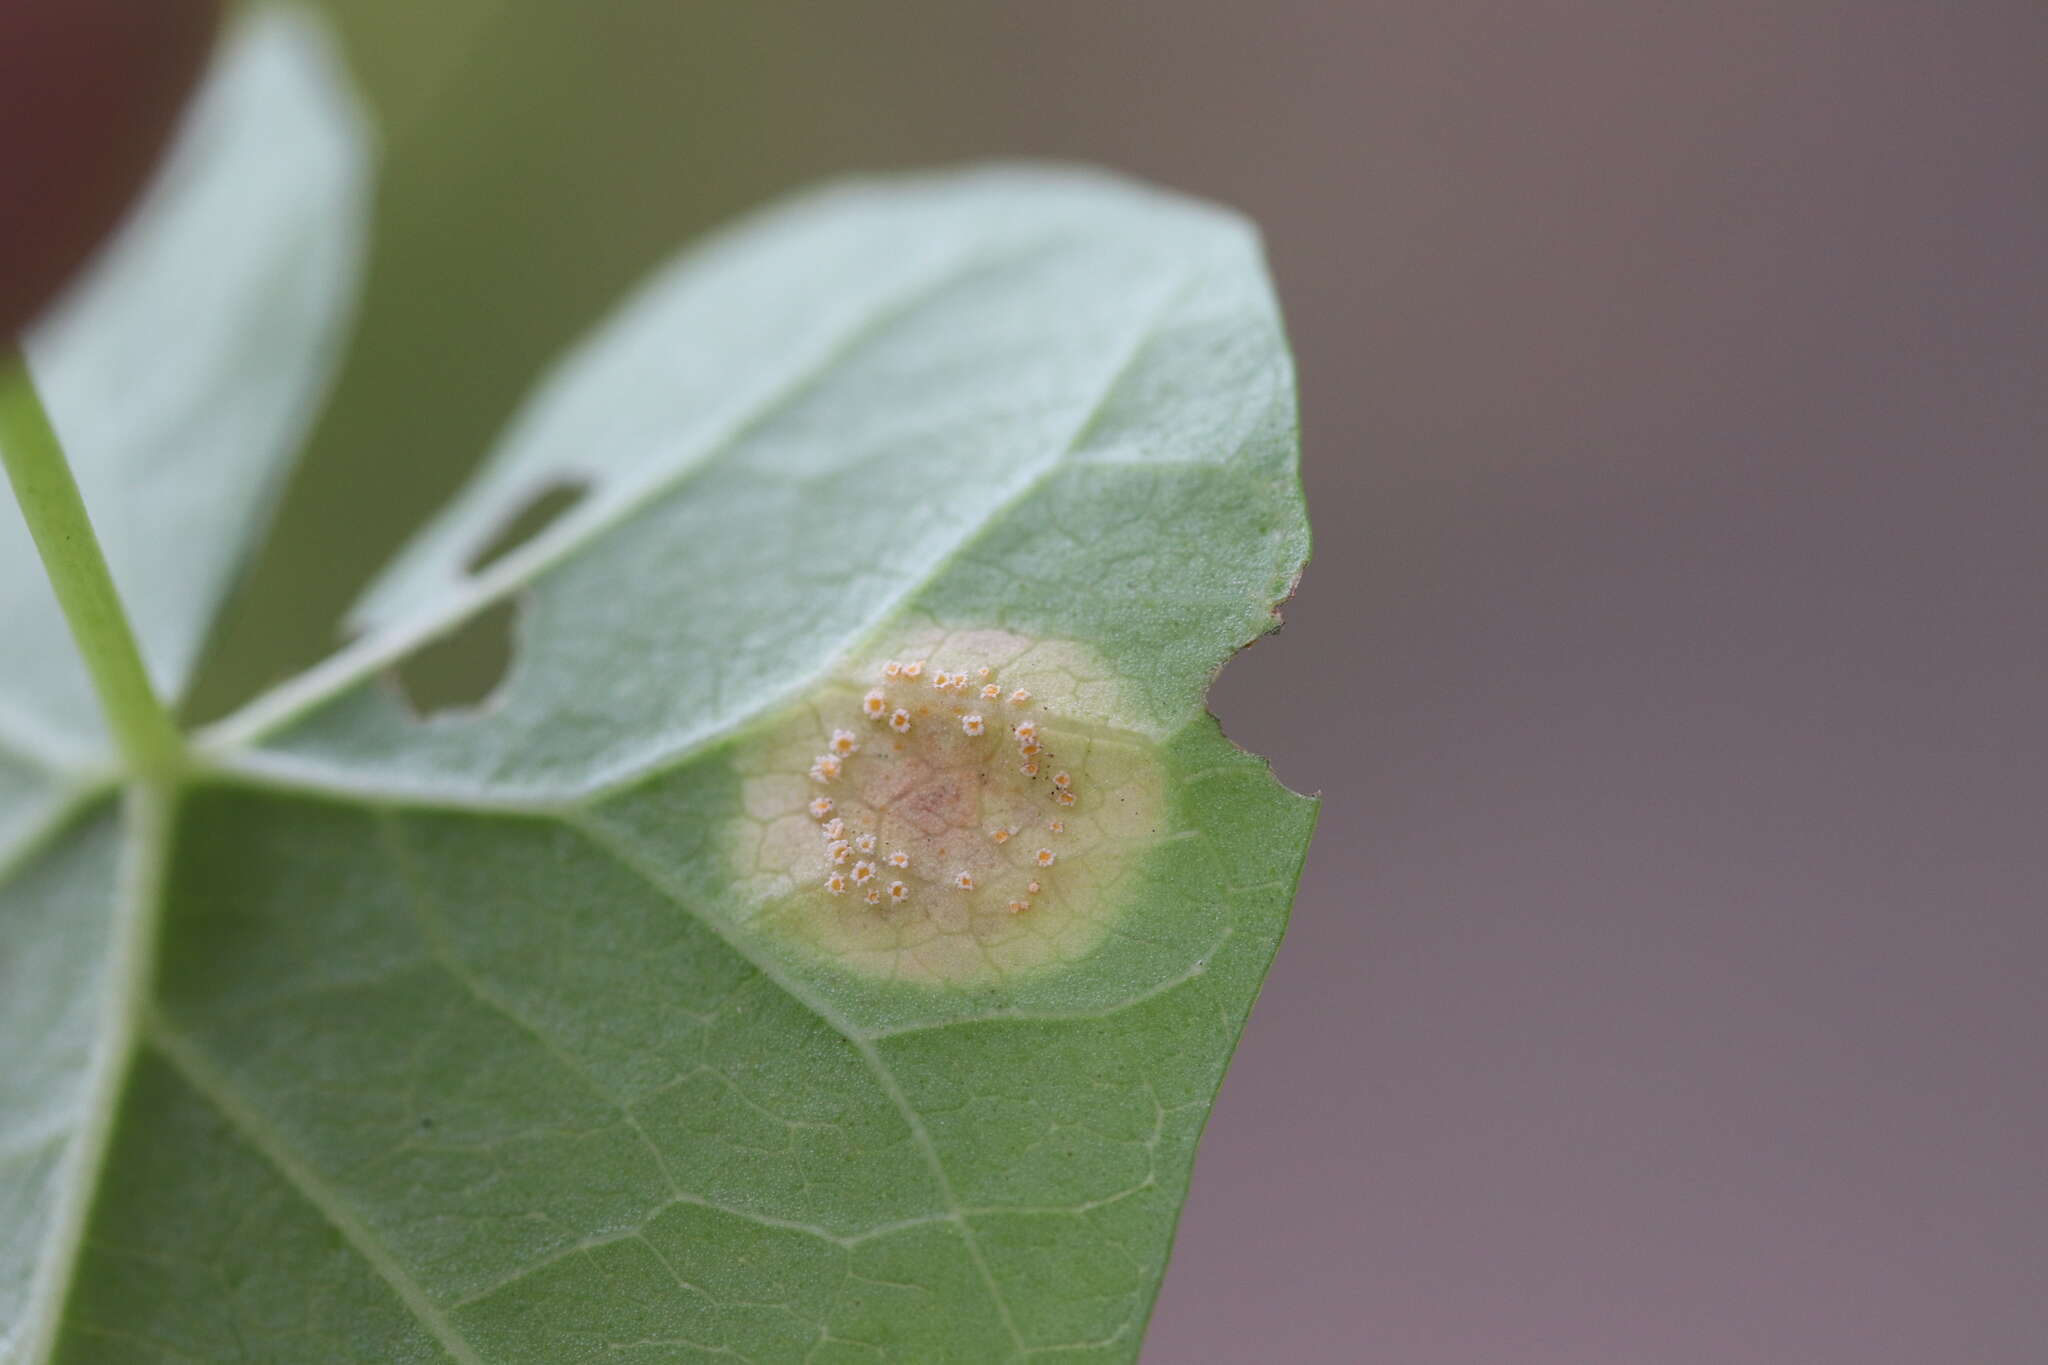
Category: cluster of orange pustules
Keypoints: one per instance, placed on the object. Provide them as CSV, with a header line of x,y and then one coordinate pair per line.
x,y
850,860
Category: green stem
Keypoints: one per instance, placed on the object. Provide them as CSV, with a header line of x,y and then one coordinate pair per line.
x,y
78,572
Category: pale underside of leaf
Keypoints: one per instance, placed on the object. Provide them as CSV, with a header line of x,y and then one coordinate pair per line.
x,y
981,443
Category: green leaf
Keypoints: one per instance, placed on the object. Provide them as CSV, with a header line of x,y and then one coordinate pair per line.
x,y
532,1031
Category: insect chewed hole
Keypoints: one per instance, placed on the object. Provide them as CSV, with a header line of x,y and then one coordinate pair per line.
x,y
896,776
539,512
461,670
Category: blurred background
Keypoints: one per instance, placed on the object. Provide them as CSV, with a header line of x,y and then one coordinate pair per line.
x,y
1668,980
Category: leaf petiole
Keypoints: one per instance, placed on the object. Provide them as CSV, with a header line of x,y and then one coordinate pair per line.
x,y
56,517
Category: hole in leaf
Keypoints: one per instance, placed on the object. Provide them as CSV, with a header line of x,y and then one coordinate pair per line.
x,y
459,671
541,511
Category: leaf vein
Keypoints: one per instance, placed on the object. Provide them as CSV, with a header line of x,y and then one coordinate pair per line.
x,y
1194,970
884,1076
186,1059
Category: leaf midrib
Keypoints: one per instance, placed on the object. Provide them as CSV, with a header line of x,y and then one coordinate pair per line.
x,y
144,848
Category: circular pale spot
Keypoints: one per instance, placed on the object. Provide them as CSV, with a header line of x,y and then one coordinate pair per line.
x,y
943,795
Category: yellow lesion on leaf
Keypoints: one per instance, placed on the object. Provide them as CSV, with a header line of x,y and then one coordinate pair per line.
x,y
968,903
